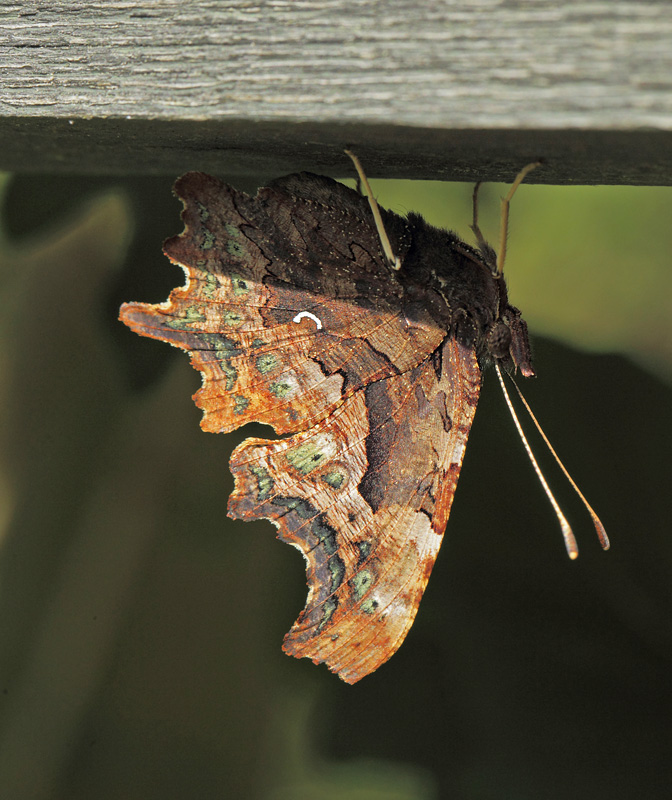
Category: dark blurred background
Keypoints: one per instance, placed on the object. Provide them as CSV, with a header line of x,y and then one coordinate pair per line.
x,y
140,629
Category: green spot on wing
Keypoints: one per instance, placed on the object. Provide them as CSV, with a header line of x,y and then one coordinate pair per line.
x,y
337,571
230,373
235,249
334,479
329,607
191,314
306,457
194,314
364,551
232,319
239,285
208,240
267,362
281,389
240,403
361,583
369,605
319,527
210,285
325,534
264,482
224,349
301,507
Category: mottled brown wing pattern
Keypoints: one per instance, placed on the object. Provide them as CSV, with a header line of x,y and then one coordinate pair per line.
x,y
365,495
295,318
283,315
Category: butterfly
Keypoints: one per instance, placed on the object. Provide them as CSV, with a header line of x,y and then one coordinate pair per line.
x,y
360,336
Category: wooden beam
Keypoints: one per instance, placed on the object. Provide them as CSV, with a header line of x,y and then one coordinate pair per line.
x,y
433,89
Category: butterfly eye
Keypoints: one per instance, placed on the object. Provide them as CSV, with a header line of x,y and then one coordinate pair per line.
x,y
498,339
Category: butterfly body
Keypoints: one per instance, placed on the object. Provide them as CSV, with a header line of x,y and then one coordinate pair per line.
x,y
296,319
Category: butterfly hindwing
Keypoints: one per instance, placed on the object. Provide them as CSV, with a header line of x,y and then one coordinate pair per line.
x,y
365,495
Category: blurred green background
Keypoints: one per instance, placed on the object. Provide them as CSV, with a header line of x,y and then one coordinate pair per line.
x,y
140,629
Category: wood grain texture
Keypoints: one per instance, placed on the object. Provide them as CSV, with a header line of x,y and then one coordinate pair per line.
x,y
469,64
211,78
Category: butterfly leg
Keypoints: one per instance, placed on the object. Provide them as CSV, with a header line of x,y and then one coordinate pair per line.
x,y
504,220
480,239
392,259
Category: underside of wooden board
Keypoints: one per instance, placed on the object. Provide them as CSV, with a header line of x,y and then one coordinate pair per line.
x,y
430,89
266,150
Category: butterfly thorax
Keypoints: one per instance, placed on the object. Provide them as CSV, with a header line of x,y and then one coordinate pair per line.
x,y
459,287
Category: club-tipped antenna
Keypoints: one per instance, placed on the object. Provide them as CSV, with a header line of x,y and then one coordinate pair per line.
x,y
597,522
567,534
392,259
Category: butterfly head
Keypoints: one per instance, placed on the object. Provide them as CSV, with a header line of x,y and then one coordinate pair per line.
x,y
506,339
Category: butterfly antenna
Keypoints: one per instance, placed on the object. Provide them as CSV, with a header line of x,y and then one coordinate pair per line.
x,y
504,221
599,527
568,536
382,233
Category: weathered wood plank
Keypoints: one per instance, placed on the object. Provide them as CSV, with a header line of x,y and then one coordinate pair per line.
x,y
440,89
266,150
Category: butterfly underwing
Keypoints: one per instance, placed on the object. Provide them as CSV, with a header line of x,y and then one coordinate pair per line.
x,y
296,318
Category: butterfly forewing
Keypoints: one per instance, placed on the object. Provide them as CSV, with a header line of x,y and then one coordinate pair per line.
x,y
272,344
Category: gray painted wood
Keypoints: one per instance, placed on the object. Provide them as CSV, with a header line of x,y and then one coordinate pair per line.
x,y
426,89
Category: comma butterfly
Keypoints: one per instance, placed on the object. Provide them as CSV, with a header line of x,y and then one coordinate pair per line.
x,y
362,335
